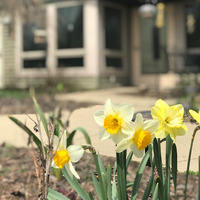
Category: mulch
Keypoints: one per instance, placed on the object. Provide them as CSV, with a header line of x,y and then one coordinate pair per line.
x,y
18,179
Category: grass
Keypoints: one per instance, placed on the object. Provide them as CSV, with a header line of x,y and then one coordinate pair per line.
x,y
193,173
14,93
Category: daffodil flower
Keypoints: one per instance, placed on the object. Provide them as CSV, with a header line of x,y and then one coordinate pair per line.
x,y
195,115
115,121
170,118
141,137
64,157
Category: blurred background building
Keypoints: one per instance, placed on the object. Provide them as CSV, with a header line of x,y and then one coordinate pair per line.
x,y
90,44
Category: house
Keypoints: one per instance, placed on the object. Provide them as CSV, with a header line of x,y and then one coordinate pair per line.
x,y
100,43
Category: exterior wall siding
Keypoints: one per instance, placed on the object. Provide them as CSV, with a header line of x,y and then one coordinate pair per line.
x,y
8,55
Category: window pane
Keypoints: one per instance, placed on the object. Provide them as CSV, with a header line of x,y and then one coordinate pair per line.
x,y
30,41
192,25
70,62
70,27
34,33
113,28
114,62
192,57
39,63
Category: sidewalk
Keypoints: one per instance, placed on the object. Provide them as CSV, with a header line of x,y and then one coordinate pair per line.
x,y
84,117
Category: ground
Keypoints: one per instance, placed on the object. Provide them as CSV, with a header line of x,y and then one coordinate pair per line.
x,y
17,173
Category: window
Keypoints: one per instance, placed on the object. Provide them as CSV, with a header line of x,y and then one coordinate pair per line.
x,y
192,26
51,42
113,28
70,37
34,63
149,63
70,62
33,45
30,42
70,27
192,21
113,62
114,47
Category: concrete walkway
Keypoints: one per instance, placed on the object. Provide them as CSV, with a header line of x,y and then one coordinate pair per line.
x,y
84,117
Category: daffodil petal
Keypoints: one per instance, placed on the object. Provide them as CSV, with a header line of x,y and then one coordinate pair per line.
x,y
136,151
156,114
99,117
63,142
124,144
195,115
160,132
181,131
178,109
110,109
138,122
126,111
71,171
151,125
117,138
53,164
173,136
126,128
75,152
161,103
158,111
55,142
103,134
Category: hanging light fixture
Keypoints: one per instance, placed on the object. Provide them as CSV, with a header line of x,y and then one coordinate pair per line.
x,y
147,10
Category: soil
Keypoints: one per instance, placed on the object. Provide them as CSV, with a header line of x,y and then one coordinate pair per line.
x,y
18,179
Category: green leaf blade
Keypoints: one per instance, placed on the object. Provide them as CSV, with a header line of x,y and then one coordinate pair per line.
x,y
41,114
54,195
75,184
174,167
148,188
114,185
158,160
155,193
97,186
28,131
108,179
139,176
83,131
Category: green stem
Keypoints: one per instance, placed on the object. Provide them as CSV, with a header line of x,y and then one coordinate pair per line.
x,y
99,172
174,167
121,175
198,192
169,143
189,158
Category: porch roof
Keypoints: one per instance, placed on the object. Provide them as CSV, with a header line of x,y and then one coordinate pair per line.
x,y
140,2
130,2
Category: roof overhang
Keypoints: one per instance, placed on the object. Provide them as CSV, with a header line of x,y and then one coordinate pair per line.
x,y
141,2
130,2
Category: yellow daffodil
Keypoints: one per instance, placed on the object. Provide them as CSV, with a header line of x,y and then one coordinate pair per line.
x,y
64,157
170,118
114,121
142,136
195,115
